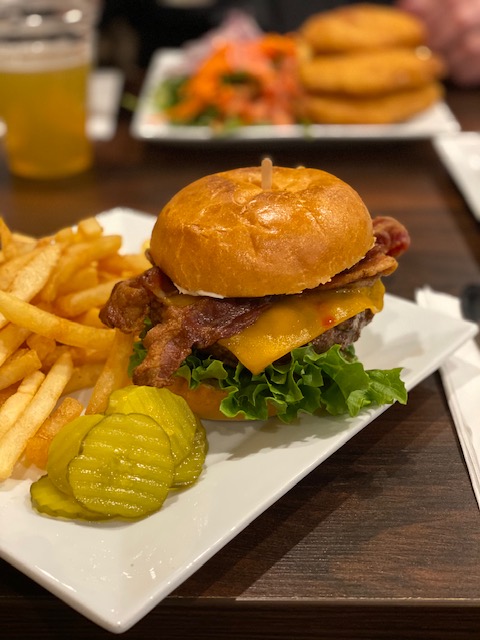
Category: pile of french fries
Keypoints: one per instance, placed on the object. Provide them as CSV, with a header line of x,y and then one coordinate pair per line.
x,y
52,342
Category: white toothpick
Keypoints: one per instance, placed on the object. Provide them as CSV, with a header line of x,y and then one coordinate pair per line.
x,y
267,174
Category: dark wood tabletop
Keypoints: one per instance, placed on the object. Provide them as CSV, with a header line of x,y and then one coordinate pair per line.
x,y
382,540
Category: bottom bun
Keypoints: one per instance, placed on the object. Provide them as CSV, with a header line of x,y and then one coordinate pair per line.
x,y
205,400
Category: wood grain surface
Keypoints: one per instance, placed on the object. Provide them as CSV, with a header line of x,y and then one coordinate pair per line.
x,y
383,539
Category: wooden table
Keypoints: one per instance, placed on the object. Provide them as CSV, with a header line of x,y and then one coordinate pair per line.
x,y
383,539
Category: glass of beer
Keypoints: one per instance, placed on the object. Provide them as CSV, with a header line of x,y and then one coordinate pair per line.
x,y
46,52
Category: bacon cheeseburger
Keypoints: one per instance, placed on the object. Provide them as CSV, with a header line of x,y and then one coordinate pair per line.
x,y
261,281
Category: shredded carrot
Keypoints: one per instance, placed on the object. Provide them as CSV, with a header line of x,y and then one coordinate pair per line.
x,y
249,82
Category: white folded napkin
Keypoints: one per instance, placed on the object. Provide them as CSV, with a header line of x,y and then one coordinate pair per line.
x,y
104,94
460,375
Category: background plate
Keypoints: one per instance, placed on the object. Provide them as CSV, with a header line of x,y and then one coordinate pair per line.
x,y
148,123
460,154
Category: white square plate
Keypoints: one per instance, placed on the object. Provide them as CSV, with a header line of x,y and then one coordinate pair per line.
x,y
460,154
150,124
115,573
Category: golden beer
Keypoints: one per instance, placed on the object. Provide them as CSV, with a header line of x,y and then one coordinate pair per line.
x,y
43,101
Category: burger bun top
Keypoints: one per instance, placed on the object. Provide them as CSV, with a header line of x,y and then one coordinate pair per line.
x,y
224,235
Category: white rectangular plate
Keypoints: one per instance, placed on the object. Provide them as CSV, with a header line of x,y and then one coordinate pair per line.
x,y
148,123
115,573
460,154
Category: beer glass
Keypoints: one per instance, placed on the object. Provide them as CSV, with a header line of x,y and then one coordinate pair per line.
x,y
46,51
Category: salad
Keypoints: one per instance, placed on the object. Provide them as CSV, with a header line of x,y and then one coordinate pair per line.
x,y
243,82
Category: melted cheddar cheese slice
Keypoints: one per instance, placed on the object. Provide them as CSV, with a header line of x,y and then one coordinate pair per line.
x,y
296,320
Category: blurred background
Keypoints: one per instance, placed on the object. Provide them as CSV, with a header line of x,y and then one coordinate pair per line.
x,y
131,30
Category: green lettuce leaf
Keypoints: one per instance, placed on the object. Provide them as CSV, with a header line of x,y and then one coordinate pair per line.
x,y
335,382
139,351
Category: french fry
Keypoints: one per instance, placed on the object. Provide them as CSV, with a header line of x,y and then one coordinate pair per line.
x,y
6,393
51,357
83,279
73,304
10,268
76,257
89,228
90,318
65,236
21,244
40,407
18,367
15,405
36,451
114,373
47,324
30,280
33,277
124,263
11,337
42,345
6,241
24,238
84,376
86,356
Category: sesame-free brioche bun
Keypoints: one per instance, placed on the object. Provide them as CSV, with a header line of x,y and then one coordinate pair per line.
x,y
205,400
225,235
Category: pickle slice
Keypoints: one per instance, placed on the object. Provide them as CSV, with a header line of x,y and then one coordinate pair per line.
x,y
47,499
170,411
124,467
65,446
188,471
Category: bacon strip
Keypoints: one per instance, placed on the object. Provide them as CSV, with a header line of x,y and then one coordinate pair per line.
x,y
197,325
391,240
391,235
